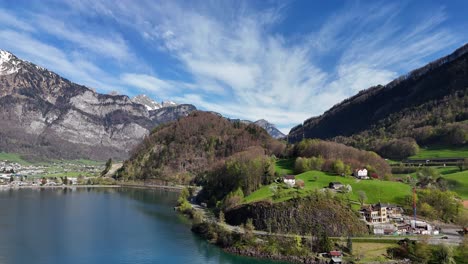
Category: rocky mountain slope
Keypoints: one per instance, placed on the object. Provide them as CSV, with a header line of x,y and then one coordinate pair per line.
x,y
269,127
428,104
44,115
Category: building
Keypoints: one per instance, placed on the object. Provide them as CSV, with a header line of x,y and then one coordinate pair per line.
x,y
335,185
374,214
290,180
360,173
336,256
393,211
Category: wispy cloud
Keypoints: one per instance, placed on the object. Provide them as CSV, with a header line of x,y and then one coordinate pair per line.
x,y
112,46
231,56
254,72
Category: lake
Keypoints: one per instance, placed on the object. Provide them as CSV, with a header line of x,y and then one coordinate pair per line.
x,y
100,225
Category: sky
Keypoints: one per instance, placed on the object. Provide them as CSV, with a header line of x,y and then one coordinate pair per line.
x,y
283,61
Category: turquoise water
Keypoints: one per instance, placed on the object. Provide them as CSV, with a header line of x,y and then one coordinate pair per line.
x,y
87,226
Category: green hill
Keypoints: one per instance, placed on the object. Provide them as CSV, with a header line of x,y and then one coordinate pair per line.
x,y
442,152
376,190
458,182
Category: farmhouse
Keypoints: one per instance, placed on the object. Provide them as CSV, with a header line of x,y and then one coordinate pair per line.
x,y
335,185
361,174
290,180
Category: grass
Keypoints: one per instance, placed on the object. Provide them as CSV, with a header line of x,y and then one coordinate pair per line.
x,y
441,152
13,158
376,190
442,170
371,252
285,166
458,182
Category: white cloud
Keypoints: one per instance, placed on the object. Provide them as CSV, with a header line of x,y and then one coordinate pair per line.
x,y
254,73
112,46
146,82
231,58
10,20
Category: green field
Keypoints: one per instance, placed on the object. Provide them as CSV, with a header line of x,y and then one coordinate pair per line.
x,y
13,158
285,166
441,152
376,190
458,182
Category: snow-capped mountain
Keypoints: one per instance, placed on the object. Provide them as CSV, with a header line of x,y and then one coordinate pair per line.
x,y
149,103
168,104
9,64
43,114
270,128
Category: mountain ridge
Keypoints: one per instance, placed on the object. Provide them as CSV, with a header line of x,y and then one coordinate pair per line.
x,y
387,106
43,113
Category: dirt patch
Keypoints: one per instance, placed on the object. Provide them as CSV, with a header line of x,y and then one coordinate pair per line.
x,y
465,204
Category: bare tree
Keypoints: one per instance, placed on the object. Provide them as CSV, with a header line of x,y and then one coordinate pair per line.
x,y
362,197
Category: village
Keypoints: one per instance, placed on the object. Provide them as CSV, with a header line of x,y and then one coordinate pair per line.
x,y
13,174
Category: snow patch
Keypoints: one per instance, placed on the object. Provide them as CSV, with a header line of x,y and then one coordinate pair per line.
x,y
8,63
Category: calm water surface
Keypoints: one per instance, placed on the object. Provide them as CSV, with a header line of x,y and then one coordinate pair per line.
x,y
88,226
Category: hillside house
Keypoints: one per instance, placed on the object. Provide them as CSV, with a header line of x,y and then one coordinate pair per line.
x,y
290,180
361,174
393,211
335,185
374,214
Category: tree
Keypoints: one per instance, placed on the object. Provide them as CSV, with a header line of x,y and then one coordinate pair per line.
x,y
349,245
324,243
338,167
443,255
222,220
107,168
249,228
362,197
463,165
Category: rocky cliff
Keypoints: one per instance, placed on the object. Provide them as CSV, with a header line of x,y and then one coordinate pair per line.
x,y
44,115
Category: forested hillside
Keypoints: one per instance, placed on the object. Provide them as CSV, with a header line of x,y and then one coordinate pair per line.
x,y
428,106
192,147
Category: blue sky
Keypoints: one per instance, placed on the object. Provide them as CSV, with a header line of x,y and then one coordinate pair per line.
x,y
284,61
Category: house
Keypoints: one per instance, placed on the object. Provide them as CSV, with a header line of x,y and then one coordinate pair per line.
x,y
361,172
290,180
336,256
393,211
335,185
374,214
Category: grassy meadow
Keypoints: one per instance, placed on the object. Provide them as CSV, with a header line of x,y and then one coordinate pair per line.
x,y
458,182
376,190
441,152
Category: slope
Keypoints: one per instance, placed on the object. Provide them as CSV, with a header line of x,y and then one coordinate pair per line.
x,y
429,104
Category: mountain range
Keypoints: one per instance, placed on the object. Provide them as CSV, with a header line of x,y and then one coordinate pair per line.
x,y
43,115
47,116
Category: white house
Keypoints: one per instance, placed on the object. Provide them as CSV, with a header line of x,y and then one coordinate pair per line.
x,y
361,173
290,180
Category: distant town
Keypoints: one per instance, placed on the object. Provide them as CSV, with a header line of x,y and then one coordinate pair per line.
x,y
13,174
